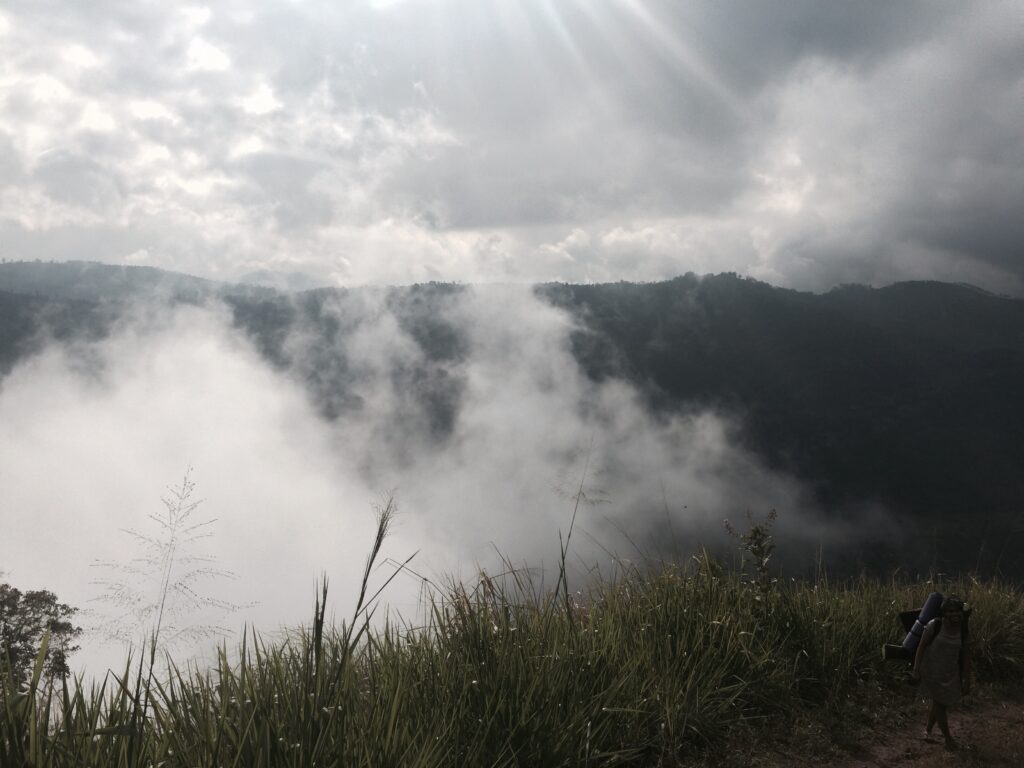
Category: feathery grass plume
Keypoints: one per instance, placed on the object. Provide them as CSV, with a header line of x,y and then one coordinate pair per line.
x,y
158,593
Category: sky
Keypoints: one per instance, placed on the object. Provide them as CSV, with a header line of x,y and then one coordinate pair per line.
x,y
512,141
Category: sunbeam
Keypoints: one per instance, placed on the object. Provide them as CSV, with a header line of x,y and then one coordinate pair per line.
x,y
668,38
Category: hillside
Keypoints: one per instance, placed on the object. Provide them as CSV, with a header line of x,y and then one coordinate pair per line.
x,y
684,666
907,395
904,398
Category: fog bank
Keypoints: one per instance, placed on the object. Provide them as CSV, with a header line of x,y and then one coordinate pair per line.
x,y
94,433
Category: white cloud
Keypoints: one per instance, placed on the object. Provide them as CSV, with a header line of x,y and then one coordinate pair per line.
x,y
248,146
141,256
95,118
205,56
44,89
95,432
261,101
195,16
786,184
183,393
200,186
148,109
80,57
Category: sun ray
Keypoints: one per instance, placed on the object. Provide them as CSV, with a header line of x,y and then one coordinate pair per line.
x,y
685,56
553,15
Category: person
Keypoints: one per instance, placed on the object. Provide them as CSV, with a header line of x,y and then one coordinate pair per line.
x,y
942,664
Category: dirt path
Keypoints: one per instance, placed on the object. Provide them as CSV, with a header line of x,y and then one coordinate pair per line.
x,y
989,727
990,731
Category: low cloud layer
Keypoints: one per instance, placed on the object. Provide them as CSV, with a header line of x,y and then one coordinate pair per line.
x,y
94,433
393,142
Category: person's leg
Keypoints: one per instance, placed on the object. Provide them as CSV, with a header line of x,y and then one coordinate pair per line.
x,y
932,716
942,719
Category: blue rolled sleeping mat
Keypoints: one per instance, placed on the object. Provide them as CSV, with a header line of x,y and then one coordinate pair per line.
x,y
914,622
929,611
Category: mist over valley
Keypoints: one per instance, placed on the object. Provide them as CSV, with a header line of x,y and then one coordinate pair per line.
x,y
879,423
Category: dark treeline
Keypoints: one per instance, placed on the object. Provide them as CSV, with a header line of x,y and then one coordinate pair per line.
x,y
908,396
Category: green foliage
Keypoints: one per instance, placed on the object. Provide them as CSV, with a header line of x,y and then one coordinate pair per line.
x,y
643,668
25,618
757,545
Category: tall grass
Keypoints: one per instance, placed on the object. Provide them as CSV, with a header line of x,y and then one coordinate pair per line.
x,y
641,668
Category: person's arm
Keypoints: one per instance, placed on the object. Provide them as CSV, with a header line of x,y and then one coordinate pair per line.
x,y
926,639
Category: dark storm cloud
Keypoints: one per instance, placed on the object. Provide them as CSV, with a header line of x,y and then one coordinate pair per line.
x,y
923,167
799,142
753,43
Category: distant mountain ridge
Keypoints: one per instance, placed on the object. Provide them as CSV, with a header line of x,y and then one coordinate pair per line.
x,y
281,280
94,281
908,396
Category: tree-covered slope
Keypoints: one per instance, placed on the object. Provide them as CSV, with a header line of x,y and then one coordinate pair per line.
x,y
908,394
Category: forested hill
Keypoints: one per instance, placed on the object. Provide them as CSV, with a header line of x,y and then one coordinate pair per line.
x,y
911,396
908,396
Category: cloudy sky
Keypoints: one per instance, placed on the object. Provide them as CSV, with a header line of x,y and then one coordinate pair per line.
x,y
390,141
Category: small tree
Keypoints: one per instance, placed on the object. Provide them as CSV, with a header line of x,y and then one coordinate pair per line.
x,y
24,618
757,545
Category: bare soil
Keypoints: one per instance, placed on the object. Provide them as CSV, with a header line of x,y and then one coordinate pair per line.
x,y
989,732
988,726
